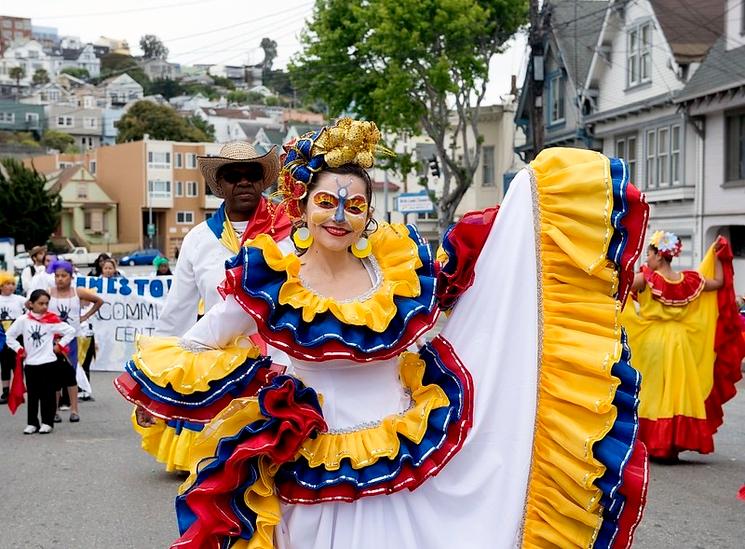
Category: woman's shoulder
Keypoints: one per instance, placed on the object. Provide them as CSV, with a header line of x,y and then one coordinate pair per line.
x,y
675,292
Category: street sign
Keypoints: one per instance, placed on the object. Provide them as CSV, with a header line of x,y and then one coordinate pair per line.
x,y
151,229
414,203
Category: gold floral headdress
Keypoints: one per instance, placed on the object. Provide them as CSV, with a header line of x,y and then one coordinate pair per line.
x,y
346,142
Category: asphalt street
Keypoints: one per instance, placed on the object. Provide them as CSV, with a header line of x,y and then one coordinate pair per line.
x,y
88,485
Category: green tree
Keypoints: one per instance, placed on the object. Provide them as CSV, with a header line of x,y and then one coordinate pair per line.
x,y
159,122
28,212
77,72
202,125
53,139
410,65
223,82
238,96
17,73
166,87
152,47
114,64
270,53
40,77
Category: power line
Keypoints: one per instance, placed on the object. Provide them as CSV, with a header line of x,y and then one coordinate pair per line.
x,y
119,12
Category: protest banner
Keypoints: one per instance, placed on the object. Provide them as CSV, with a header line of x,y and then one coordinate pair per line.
x,y
131,308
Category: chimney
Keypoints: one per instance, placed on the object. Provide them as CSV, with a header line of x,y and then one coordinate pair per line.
x,y
513,85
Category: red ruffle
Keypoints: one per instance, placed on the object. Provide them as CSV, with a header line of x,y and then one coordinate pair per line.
x,y
665,437
271,220
17,386
675,294
210,501
464,244
635,223
728,343
634,489
131,390
410,477
332,349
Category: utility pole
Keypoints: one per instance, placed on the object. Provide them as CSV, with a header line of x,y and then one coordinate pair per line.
x,y
535,80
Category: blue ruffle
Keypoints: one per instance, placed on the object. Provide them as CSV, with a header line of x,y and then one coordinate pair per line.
x,y
386,469
226,447
233,384
262,282
619,173
615,450
179,425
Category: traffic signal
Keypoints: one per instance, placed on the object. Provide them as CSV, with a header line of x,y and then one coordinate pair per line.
x,y
434,166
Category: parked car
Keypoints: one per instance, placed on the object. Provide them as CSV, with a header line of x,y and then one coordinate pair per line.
x,y
21,261
141,257
80,256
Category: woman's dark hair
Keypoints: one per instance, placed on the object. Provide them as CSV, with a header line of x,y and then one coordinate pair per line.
x,y
98,264
36,294
346,169
667,257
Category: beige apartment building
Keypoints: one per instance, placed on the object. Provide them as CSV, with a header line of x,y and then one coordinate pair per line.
x,y
152,182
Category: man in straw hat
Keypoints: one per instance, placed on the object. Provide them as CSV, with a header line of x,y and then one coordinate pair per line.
x,y
37,255
239,175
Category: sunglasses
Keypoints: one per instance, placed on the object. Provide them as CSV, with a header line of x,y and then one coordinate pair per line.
x,y
251,173
355,205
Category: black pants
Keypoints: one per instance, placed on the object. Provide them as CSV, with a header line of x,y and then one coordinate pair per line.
x,y
41,386
7,363
89,356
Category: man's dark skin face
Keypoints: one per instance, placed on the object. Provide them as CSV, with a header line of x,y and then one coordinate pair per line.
x,y
242,184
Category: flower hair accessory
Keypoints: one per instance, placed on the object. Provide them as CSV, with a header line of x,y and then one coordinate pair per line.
x,y
347,142
668,244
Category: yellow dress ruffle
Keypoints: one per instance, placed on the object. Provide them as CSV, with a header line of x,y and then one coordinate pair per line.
x,y
165,363
398,258
581,342
674,351
260,497
366,446
167,447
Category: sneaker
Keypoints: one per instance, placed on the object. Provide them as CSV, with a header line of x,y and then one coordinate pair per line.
x,y
30,430
57,418
64,408
45,429
74,418
4,398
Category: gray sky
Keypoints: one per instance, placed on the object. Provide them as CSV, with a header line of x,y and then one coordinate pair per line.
x,y
209,31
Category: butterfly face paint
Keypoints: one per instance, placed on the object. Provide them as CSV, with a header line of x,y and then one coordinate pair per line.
x,y
340,207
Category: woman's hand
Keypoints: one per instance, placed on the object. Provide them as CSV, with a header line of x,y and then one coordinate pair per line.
x,y
57,349
143,417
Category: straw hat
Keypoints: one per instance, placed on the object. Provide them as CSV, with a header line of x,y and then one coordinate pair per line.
x,y
238,152
37,249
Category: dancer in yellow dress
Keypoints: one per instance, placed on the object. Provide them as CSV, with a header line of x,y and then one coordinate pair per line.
x,y
685,342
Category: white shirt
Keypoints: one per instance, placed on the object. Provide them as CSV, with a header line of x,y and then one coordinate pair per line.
x,y
11,307
42,280
38,338
199,271
31,280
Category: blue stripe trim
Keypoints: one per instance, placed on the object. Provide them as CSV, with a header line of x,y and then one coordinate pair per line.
x,y
386,469
216,223
620,180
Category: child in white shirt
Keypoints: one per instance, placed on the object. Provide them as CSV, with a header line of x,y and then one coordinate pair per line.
x,y
12,306
39,328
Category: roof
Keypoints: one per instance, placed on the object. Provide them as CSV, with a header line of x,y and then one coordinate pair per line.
x,y
70,54
690,27
302,129
577,22
379,186
276,137
58,180
248,114
721,70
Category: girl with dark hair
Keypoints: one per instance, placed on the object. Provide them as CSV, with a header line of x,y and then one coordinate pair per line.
x,y
37,360
515,426
686,345
97,269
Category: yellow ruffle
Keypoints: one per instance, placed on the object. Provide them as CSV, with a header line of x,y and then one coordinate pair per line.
x,y
162,442
366,446
581,342
165,362
398,258
260,497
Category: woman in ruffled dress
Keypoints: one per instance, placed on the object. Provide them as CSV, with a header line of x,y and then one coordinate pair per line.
x,y
686,344
515,426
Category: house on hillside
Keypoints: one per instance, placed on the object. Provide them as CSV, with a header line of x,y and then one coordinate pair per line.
x,y
120,90
569,45
22,117
713,104
646,54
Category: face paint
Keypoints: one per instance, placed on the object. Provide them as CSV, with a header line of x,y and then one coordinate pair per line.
x,y
340,207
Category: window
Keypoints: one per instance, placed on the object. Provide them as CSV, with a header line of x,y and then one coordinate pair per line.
x,y
178,160
639,54
179,188
7,117
159,188
487,167
82,190
90,123
92,167
735,143
191,160
32,118
65,121
556,98
159,160
208,215
185,218
191,188
663,166
626,150
94,221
